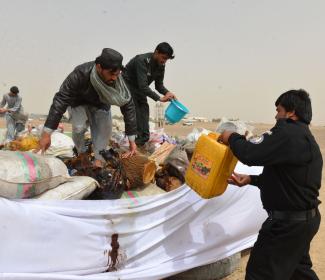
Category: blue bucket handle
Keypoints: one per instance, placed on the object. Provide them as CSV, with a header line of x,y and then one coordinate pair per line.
x,y
175,104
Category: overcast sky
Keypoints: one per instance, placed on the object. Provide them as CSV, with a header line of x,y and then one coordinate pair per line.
x,y
233,57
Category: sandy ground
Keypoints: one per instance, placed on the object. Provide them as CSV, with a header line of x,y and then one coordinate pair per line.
x,y
318,243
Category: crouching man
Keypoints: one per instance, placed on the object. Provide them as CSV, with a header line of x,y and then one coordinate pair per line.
x,y
89,92
14,113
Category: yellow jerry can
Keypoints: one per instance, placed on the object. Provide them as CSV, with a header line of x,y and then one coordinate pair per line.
x,y
211,165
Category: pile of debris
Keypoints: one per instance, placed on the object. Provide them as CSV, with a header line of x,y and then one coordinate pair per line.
x,y
163,161
117,175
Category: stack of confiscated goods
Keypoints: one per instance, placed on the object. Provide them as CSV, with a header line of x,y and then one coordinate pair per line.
x,y
117,175
174,162
162,153
111,182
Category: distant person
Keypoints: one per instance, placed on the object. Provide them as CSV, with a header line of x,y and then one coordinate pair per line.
x,y
289,186
14,113
89,92
139,73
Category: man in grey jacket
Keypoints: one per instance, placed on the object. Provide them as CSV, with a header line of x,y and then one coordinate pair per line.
x,y
13,111
89,91
139,73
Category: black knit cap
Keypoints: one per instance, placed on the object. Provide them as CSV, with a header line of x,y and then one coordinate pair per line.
x,y
14,89
110,59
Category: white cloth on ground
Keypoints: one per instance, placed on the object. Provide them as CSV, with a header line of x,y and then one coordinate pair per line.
x,y
159,236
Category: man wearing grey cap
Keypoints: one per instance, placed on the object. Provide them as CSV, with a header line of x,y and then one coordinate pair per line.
x,y
89,91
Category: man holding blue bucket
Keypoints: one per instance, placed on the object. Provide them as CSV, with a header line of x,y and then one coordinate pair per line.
x,y
139,73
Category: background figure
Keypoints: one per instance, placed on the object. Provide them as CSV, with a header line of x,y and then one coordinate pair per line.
x,y
139,73
14,113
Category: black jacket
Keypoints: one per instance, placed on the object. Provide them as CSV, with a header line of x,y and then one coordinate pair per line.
x,y
292,162
140,72
77,90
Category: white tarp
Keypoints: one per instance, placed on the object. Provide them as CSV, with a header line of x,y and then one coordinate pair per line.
x,y
159,235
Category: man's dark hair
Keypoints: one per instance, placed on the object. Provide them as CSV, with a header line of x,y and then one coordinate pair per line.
x,y
14,90
165,48
297,101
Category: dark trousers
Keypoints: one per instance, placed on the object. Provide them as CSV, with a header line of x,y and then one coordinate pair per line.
x,y
281,251
142,113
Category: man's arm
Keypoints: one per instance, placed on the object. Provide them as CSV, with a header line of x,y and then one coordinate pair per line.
x,y
62,100
17,105
241,180
255,180
159,83
3,102
129,117
141,72
270,148
130,121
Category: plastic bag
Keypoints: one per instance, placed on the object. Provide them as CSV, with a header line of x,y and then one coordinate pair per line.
x,y
177,162
196,133
238,126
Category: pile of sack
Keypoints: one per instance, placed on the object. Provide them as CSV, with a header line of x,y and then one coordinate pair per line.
x,y
28,175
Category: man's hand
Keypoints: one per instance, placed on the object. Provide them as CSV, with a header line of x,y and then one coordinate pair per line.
x,y
132,150
167,97
239,179
3,110
224,137
45,142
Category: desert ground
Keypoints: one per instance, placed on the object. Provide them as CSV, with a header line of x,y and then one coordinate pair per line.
x,y
318,243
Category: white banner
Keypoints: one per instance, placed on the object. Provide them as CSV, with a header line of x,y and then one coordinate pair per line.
x,y
158,236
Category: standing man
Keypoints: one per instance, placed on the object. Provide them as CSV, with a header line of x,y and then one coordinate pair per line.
x,y
289,187
139,73
15,118
89,91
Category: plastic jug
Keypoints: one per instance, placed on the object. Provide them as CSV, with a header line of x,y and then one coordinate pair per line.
x,y
211,165
175,111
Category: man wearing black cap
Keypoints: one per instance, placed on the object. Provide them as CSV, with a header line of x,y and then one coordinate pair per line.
x,y
89,91
139,73
15,118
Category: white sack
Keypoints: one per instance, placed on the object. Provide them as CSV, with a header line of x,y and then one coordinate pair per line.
x,y
78,187
61,145
25,174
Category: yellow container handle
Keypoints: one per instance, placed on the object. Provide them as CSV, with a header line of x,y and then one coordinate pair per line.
x,y
214,135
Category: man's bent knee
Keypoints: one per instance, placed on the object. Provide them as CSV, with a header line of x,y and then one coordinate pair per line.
x,y
79,129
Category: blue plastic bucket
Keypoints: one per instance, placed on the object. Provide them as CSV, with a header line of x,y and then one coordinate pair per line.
x,y
175,111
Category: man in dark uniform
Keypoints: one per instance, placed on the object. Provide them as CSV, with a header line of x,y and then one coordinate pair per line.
x,y
139,73
289,187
